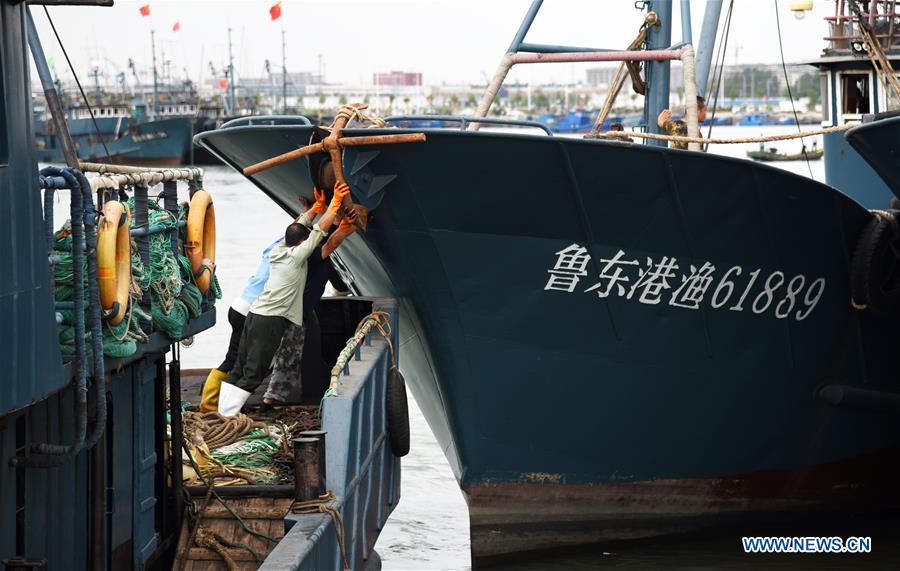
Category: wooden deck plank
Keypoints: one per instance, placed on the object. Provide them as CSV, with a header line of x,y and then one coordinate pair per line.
x,y
264,514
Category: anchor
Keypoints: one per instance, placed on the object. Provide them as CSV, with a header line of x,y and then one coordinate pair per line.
x,y
334,144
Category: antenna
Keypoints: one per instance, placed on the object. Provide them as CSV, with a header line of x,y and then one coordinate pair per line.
x,y
155,76
283,73
231,95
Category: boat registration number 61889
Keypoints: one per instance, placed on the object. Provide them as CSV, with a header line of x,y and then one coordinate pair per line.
x,y
687,286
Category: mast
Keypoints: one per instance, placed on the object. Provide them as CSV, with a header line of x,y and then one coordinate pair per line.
x,y
706,45
54,105
657,98
231,95
95,71
283,74
152,109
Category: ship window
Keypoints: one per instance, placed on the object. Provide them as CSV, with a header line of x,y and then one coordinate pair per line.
x,y
855,90
825,98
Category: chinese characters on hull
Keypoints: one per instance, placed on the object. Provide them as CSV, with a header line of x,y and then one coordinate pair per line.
x,y
667,282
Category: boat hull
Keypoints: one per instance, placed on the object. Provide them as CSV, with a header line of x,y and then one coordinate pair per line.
x,y
539,394
161,142
509,519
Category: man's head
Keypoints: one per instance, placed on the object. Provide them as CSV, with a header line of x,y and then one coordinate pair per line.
x,y
701,109
295,234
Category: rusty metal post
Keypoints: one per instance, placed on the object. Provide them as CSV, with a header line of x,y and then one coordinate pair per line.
x,y
319,435
306,469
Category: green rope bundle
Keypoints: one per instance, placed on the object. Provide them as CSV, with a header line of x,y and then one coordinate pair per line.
x,y
255,451
174,298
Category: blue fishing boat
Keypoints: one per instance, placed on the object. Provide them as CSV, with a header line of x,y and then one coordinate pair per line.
x,y
614,340
101,464
575,122
756,120
117,138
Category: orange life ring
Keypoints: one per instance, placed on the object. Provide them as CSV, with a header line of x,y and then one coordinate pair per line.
x,y
114,260
201,239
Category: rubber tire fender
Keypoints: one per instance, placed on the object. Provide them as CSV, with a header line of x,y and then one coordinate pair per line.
x,y
397,410
874,269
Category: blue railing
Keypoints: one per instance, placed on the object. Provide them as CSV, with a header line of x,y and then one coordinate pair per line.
x,y
361,470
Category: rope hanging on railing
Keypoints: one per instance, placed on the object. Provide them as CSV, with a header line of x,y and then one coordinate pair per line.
x,y
381,320
639,43
353,113
701,140
324,504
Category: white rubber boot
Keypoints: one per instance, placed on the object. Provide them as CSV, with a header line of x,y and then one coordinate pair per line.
x,y
231,399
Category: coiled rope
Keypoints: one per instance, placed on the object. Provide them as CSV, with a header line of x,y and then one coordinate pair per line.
x,y
217,430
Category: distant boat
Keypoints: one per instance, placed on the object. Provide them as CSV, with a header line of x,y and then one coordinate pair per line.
x,y
121,139
716,121
772,155
575,121
756,120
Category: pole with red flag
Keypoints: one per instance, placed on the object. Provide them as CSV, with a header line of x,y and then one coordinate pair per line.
x,y
275,11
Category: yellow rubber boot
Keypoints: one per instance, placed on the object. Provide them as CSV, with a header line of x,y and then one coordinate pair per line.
x,y
209,397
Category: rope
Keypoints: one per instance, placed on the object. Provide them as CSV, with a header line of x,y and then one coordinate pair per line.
x,y
208,540
353,113
236,545
78,83
787,83
379,319
716,81
615,87
211,489
324,505
217,430
876,54
682,139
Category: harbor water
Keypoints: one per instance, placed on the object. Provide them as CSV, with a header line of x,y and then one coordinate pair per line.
x,y
429,529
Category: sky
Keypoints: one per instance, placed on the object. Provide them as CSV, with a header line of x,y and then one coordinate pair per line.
x,y
448,41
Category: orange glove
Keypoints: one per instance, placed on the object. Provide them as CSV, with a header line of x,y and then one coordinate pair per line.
x,y
341,191
348,225
319,206
664,117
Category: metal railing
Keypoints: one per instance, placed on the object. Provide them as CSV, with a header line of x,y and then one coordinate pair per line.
x,y
465,121
267,120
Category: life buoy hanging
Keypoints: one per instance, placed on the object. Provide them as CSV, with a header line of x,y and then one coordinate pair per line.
x,y
114,260
200,246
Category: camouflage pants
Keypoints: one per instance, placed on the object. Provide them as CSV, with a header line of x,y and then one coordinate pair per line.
x,y
286,365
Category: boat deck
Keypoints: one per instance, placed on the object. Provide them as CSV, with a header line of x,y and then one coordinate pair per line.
x,y
262,514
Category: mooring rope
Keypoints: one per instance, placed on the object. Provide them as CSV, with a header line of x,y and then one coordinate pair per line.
x,y
378,319
323,504
353,113
701,140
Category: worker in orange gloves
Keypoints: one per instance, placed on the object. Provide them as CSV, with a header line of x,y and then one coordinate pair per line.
x,y
278,306
286,364
240,307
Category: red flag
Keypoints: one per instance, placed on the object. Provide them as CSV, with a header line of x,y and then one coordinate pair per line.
x,y
223,83
275,11
176,27
145,10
